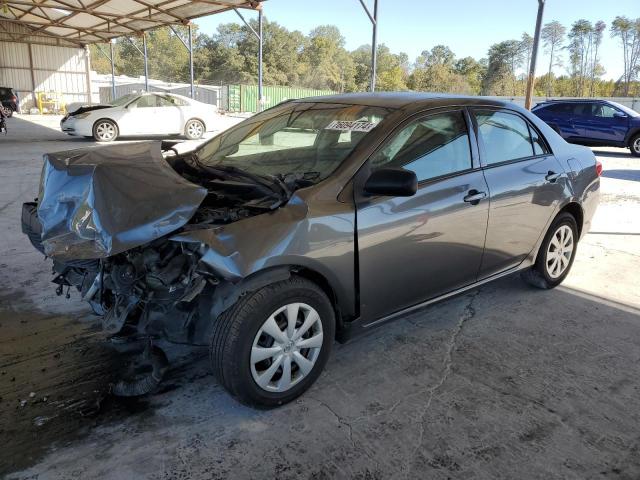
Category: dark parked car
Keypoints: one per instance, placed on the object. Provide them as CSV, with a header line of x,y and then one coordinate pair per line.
x,y
9,101
317,219
597,123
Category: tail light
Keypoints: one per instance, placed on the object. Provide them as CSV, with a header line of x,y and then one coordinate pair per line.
x,y
14,98
599,167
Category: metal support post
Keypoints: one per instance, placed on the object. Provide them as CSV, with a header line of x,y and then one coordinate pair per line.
x,y
534,56
113,72
258,36
374,41
146,64
191,61
189,46
260,102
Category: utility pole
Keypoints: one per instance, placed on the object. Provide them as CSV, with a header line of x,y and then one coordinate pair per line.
x,y
534,56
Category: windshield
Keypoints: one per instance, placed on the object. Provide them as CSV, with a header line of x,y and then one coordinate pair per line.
x,y
626,110
119,102
309,140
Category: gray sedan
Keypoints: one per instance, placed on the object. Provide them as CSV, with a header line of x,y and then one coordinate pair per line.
x,y
315,220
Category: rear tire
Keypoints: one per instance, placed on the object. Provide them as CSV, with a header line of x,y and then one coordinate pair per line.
x,y
634,145
556,254
260,350
8,111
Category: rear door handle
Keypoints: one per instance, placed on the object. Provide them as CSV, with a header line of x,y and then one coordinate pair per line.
x,y
474,197
552,176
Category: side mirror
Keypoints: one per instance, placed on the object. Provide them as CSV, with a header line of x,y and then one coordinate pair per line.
x,y
392,182
619,115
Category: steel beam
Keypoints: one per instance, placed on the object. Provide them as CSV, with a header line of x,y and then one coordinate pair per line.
x,y
146,64
142,52
534,56
374,41
113,72
189,46
258,36
260,99
191,61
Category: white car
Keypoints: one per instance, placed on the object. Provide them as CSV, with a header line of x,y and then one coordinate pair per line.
x,y
146,114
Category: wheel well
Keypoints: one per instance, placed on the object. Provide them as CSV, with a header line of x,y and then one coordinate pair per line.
x,y
632,134
576,210
326,287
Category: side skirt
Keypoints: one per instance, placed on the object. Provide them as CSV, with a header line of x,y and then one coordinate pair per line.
x,y
357,328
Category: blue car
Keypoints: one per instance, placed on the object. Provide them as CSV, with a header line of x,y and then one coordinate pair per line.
x,y
596,123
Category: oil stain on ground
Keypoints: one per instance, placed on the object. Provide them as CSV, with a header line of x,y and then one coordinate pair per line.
x,y
55,378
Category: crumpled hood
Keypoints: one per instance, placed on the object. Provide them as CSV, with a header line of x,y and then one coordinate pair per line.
x,y
77,108
97,202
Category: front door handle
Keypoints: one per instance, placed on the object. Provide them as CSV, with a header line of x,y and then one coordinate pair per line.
x,y
474,197
552,176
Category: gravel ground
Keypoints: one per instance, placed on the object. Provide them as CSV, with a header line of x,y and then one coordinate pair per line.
x,y
504,382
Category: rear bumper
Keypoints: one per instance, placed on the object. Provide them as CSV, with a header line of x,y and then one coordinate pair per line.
x,y
9,104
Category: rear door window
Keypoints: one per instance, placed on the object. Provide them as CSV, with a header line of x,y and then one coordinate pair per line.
x,y
505,137
581,109
560,108
431,146
601,110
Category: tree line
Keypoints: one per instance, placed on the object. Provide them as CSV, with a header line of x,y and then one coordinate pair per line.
x,y
320,60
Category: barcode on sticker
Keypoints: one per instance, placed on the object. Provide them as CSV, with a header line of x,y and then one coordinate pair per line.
x,y
350,126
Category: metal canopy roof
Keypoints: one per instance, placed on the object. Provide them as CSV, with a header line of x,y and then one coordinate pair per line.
x,y
83,22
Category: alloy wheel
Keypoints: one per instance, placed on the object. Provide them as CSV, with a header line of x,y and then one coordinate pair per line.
x,y
636,146
286,347
195,130
559,251
105,131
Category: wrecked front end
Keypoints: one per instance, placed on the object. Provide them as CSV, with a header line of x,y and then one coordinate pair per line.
x,y
111,219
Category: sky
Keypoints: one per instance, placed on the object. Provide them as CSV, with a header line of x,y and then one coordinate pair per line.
x,y
468,27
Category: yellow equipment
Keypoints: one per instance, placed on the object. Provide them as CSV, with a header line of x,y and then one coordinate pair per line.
x,y
50,102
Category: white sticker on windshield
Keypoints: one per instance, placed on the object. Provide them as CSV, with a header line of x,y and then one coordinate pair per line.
x,y
350,126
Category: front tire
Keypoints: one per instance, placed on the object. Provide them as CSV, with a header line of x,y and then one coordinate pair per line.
x,y
556,254
634,145
272,344
194,129
8,111
105,131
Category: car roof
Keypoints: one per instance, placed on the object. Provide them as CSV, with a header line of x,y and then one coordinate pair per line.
x,y
575,100
403,99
